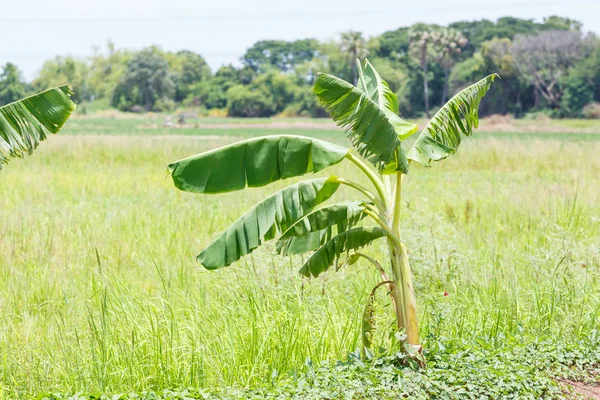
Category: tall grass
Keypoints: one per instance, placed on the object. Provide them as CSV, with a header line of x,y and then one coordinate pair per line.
x,y
99,289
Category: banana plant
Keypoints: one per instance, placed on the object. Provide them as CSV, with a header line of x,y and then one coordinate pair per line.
x,y
27,122
297,215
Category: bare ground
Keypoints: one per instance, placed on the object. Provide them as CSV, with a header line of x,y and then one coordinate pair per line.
x,y
587,390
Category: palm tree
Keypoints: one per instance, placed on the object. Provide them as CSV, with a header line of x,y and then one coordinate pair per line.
x,y
422,39
355,46
27,122
449,49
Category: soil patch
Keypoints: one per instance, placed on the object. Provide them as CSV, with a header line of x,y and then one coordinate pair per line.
x,y
587,390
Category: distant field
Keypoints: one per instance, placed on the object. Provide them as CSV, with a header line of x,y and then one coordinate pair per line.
x,y
99,291
156,124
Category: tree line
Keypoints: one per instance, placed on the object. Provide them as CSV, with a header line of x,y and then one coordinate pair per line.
x,y
551,67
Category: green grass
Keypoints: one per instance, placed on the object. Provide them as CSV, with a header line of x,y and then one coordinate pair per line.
x,y
99,291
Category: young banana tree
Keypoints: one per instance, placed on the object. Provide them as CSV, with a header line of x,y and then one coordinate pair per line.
x,y
27,122
369,114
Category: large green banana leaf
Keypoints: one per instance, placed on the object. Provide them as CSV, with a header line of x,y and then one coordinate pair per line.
x,y
379,91
27,122
460,115
310,231
368,113
261,223
351,239
253,163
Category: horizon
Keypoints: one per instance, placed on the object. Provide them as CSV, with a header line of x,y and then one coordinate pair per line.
x,y
173,29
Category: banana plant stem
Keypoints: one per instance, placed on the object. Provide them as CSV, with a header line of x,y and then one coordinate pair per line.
x,y
397,203
389,233
401,318
364,191
379,186
410,305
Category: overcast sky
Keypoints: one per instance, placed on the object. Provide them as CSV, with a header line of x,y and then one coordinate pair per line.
x,y
221,30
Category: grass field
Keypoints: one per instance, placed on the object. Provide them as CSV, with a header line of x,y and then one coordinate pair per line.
x,y
99,290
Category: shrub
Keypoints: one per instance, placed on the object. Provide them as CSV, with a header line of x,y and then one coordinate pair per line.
x,y
164,104
243,102
591,111
305,105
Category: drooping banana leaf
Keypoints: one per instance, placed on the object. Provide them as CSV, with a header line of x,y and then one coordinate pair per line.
x,y
262,222
459,116
310,231
254,163
369,115
27,122
351,239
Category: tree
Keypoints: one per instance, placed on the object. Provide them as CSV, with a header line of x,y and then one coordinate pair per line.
x,y
449,49
582,85
145,81
212,93
188,69
277,86
422,41
495,56
543,60
478,32
369,114
561,23
107,70
266,54
353,44
27,122
392,44
12,86
57,71
330,58
245,102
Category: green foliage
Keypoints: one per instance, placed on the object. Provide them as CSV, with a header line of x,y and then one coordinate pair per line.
x,y
369,116
343,242
543,60
188,69
12,86
273,215
423,71
305,104
146,80
562,23
242,101
514,367
27,122
213,93
582,85
254,163
392,44
369,112
276,86
442,135
266,54
484,30
62,70
106,71
307,233
72,326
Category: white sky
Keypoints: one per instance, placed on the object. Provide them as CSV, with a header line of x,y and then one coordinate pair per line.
x,y
221,30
